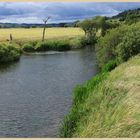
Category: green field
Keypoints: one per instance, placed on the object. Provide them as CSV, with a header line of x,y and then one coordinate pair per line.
x,y
36,33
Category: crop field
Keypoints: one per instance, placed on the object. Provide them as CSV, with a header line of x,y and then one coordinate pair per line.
x,y
36,33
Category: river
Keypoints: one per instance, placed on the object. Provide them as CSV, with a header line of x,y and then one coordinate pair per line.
x,y
36,92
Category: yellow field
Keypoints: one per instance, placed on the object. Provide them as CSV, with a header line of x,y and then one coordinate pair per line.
x,y
36,33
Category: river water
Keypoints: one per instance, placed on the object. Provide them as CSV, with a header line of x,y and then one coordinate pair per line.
x,y
36,92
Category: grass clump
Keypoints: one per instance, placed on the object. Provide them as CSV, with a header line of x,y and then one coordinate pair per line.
x,y
9,53
28,47
76,43
80,95
109,66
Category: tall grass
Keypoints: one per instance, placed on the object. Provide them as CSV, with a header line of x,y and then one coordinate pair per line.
x,y
101,105
80,96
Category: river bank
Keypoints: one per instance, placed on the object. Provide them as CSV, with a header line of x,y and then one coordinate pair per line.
x,y
11,51
98,105
107,105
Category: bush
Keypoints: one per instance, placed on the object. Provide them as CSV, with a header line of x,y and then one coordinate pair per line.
x,y
42,46
76,43
129,47
106,45
28,47
118,44
9,53
90,40
59,45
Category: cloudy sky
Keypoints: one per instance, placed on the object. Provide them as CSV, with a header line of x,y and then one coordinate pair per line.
x,y
31,12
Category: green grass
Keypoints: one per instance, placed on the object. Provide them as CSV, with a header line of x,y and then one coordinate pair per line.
x,y
107,105
53,45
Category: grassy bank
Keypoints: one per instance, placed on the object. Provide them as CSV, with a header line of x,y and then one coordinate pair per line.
x,y
107,105
54,45
101,105
11,50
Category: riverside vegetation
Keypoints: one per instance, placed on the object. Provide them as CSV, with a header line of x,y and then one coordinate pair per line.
x,y
11,50
108,104
9,53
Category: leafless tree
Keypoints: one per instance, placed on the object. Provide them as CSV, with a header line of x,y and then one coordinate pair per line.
x,y
45,21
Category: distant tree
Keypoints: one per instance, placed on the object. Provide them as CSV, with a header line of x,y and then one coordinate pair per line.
x,y
76,23
100,23
87,26
95,27
62,24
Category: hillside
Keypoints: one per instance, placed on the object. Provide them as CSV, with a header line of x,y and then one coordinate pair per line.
x,y
112,108
129,16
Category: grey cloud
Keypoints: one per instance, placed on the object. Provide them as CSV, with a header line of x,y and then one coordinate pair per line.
x,y
31,12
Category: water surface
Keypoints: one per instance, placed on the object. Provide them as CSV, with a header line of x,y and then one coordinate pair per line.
x,y
35,93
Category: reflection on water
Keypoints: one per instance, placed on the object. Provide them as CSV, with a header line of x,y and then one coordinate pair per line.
x,y
35,93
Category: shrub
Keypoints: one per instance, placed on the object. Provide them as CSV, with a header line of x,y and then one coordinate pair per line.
x,y
119,43
130,45
42,46
90,40
58,45
9,53
61,45
28,47
106,45
76,43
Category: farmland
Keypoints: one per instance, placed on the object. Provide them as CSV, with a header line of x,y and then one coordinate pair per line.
x,y
36,33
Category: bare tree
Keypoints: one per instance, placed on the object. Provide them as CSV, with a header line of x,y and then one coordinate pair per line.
x,y
45,21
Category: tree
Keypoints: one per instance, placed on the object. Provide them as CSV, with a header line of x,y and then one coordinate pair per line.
x,y
92,26
45,21
100,23
86,25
